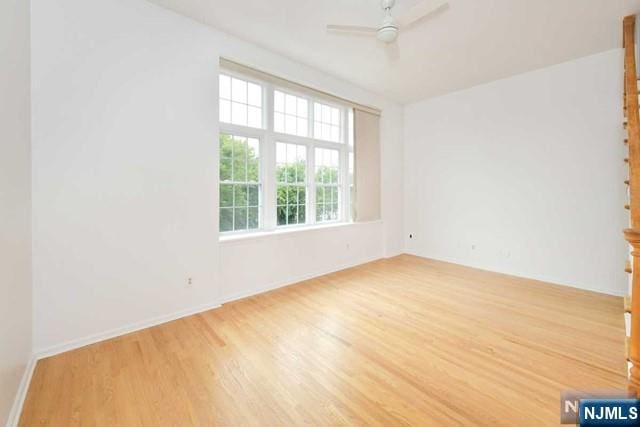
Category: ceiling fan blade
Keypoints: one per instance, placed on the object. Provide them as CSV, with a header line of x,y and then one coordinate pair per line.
x,y
352,29
424,9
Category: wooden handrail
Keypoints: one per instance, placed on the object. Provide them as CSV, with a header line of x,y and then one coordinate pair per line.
x,y
632,234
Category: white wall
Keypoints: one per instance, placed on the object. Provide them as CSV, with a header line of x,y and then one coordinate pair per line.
x,y
123,184
15,201
255,264
392,169
125,167
263,261
528,170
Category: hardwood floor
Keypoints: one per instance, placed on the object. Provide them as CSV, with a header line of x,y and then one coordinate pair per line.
x,y
404,341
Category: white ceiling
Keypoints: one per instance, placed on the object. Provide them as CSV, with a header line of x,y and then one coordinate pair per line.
x,y
473,42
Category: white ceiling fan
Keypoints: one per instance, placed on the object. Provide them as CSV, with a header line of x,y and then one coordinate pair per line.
x,y
388,29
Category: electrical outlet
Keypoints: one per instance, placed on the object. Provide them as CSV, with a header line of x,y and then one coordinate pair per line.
x,y
189,281
506,253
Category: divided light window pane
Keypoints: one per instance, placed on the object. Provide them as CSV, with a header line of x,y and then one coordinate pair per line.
x,y
291,184
327,184
303,186
240,186
290,114
352,195
240,102
351,129
326,122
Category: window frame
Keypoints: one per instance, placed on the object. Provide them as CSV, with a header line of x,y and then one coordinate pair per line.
x,y
304,184
247,104
298,96
268,138
343,137
242,133
338,185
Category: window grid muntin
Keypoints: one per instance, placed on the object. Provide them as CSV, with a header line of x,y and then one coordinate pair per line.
x,y
327,122
268,138
291,114
292,155
241,208
350,183
327,179
241,101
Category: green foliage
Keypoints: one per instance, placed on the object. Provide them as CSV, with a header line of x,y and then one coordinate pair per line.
x,y
291,201
326,175
291,173
226,219
239,163
326,203
240,218
240,200
291,197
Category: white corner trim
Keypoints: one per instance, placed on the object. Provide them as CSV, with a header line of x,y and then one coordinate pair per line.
x,y
133,327
393,254
292,281
21,394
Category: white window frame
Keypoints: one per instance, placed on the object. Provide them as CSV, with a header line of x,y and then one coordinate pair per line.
x,y
305,185
339,186
268,139
342,123
260,184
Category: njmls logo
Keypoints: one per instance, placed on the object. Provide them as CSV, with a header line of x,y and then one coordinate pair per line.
x,y
570,402
609,412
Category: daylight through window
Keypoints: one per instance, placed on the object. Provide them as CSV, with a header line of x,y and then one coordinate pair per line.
x,y
286,158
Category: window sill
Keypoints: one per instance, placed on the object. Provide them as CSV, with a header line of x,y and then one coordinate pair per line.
x,y
239,238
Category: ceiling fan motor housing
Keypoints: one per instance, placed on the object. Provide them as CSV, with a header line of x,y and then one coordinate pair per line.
x,y
388,31
387,34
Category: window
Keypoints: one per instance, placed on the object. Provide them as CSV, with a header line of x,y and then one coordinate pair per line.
x,y
286,157
351,165
326,122
350,133
350,180
291,190
240,102
290,114
327,184
239,183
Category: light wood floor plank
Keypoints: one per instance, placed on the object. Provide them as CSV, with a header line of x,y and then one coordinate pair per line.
x,y
404,341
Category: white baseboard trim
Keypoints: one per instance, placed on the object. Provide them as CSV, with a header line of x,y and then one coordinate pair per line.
x,y
113,333
393,254
291,281
21,394
14,416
